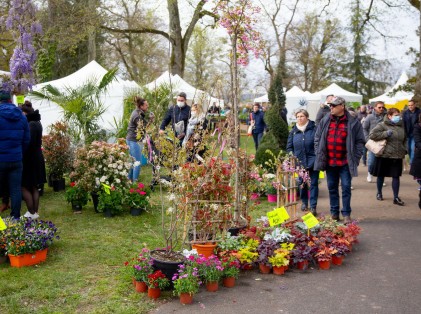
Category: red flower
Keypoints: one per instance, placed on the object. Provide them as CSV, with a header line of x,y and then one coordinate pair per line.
x,y
72,184
131,190
142,193
140,185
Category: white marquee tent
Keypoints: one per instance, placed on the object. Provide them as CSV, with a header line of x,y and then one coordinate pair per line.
x,y
334,89
399,96
178,85
112,99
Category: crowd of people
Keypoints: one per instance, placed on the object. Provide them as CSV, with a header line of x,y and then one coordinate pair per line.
x,y
334,143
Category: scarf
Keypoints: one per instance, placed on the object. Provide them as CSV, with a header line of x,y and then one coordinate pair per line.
x,y
303,127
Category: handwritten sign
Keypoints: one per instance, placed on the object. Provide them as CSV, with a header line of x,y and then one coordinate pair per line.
x,y
2,224
20,99
309,220
277,216
107,188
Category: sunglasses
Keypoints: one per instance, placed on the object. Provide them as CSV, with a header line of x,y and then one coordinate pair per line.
x,y
333,105
380,107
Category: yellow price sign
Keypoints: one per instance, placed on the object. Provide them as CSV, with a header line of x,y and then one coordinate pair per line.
x,y
107,188
2,224
321,175
20,99
277,216
309,220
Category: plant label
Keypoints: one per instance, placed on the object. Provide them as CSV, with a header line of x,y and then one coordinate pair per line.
x,y
309,220
107,188
2,224
277,216
321,175
20,99
283,213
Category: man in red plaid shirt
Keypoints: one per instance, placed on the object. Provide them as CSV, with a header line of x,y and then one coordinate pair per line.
x,y
339,144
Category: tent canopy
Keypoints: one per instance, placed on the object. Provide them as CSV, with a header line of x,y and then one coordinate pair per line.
x,y
113,99
400,99
178,85
334,89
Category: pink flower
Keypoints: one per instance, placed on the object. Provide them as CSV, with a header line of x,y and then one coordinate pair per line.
x,y
142,193
140,185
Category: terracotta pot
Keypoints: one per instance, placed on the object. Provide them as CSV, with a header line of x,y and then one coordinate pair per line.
x,y
247,267
134,281
205,249
279,270
264,269
302,265
141,286
272,198
228,282
28,259
212,286
337,259
324,265
154,293
186,298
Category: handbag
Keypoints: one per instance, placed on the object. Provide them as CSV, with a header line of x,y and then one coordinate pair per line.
x,y
376,147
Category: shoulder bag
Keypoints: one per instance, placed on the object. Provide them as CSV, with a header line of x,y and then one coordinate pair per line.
x,y
376,147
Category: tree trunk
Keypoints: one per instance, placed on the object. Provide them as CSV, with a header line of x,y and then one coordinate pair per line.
x,y
177,48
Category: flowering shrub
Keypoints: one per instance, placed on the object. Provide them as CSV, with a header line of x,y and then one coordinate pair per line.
x,y
76,195
101,162
27,235
231,266
157,280
186,280
138,196
56,150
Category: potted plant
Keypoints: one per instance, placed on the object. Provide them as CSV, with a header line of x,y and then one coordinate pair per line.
x,y
265,250
156,282
57,153
324,255
231,267
76,196
302,254
137,198
247,255
186,283
28,240
142,269
270,187
210,270
341,246
111,201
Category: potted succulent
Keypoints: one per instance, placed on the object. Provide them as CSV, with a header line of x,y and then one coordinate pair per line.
x,y
156,282
137,198
57,153
76,196
186,282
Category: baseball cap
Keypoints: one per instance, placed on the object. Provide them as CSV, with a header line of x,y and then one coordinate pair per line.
x,y
337,101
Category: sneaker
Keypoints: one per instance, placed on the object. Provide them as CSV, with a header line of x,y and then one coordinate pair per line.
x,y
379,197
313,211
398,201
384,184
347,220
36,216
29,215
369,178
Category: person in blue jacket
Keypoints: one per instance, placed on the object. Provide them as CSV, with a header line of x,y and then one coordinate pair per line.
x,y
14,139
301,144
257,121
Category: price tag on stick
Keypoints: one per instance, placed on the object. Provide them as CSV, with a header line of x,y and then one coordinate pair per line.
x,y
310,221
277,216
2,224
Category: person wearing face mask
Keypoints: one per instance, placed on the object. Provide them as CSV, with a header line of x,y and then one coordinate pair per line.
x,y
178,115
389,163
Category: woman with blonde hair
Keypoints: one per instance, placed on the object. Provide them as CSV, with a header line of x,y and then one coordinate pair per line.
x,y
196,126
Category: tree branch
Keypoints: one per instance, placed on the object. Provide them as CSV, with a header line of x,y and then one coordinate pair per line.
x,y
144,30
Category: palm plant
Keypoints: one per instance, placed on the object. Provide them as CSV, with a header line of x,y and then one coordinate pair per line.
x,y
82,106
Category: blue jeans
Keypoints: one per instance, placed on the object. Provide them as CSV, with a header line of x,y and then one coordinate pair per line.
x,y
135,149
314,190
370,161
333,174
11,174
411,148
257,137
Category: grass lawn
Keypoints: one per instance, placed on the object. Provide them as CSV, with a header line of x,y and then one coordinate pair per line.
x,y
85,271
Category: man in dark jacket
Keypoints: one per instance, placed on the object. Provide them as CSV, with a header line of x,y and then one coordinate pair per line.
x,y
339,143
258,124
178,115
14,139
324,109
410,118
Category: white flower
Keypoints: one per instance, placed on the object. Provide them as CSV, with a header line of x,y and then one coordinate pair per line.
x,y
158,167
120,167
188,253
103,178
117,180
136,163
100,166
170,210
171,197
